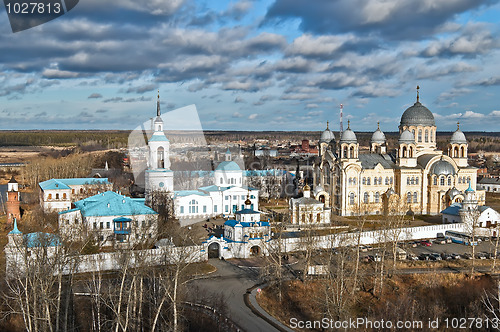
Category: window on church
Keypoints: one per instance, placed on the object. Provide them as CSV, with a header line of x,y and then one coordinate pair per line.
x,y
420,135
366,198
375,181
426,136
387,181
160,157
204,209
459,180
368,181
226,209
449,180
415,197
377,197
351,198
50,196
64,196
416,180
408,197
435,181
408,180
379,180
182,209
391,180
193,206
354,181
215,208
441,181
220,181
57,196
364,181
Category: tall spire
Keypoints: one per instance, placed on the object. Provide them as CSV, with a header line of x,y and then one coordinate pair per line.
x,y
418,95
158,113
326,124
378,125
458,125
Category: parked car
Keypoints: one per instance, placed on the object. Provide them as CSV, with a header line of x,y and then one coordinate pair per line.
x,y
412,257
481,255
435,256
414,244
425,243
467,256
439,241
446,256
424,257
455,256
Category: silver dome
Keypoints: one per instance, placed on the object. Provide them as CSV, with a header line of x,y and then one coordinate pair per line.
x,y
453,192
348,136
442,167
458,137
378,137
318,189
327,136
417,115
406,137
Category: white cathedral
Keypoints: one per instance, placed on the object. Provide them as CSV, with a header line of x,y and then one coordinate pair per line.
x,y
426,179
225,197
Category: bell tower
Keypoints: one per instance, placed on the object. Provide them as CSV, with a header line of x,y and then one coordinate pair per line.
x,y
13,201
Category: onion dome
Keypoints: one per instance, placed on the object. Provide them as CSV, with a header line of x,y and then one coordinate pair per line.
x,y
417,115
327,136
469,190
378,136
406,137
442,167
318,189
248,201
458,136
307,188
453,192
348,136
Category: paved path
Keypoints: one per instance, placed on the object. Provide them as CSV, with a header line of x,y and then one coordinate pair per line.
x,y
233,282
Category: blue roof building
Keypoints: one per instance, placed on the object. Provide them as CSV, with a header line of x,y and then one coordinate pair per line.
x,y
114,218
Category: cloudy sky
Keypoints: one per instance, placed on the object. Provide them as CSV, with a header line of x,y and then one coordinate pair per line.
x,y
254,65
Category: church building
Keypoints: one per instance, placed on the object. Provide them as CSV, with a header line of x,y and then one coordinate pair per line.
x,y
425,179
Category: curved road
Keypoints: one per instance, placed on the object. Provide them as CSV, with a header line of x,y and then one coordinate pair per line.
x,y
233,282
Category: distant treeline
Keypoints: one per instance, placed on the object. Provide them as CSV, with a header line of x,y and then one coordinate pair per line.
x,y
486,141
103,138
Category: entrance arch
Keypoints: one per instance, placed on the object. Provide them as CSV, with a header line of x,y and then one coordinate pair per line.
x,y
255,251
322,198
214,250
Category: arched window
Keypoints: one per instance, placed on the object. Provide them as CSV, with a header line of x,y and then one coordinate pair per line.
x,y
193,206
375,181
426,136
220,180
408,180
412,180
50,196
449,180
413,132
435,180
64,196
351,152
377,197
364,181
403,153
160,157
408,197
368,181
81,190
441,181
354,181
415,197
379,180
391,180
410,152
459,180
57,196
462,152
455,152
350,181
420,135
351,198
386,181
366,197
